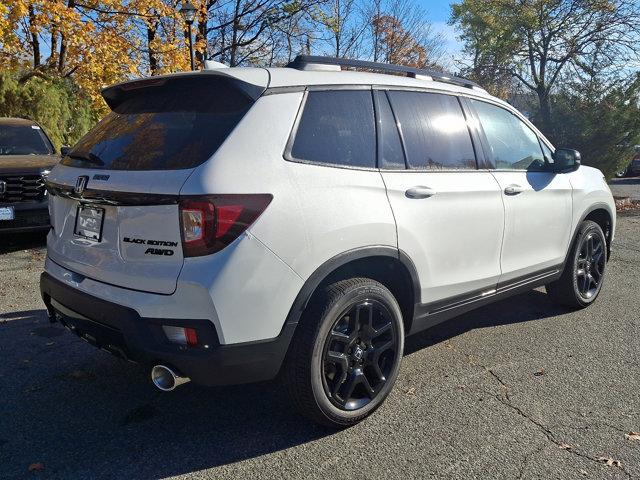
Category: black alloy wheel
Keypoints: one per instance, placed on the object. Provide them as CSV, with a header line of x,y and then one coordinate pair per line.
x,y
590,265
584,271
359,354
345,355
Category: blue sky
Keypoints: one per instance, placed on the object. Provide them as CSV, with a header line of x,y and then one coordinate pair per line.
x,y
438,14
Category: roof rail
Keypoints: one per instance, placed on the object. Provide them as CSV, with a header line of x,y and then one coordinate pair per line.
x,y
303,62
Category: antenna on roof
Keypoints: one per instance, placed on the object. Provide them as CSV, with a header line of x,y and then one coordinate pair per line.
x,y
315,62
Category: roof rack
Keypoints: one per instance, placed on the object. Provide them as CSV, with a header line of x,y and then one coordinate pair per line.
x,y
303,62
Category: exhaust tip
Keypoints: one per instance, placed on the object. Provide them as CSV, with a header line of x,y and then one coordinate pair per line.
x,y
166,379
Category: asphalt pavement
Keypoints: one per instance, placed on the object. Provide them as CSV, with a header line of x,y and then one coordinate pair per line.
x,y
626,187
519,389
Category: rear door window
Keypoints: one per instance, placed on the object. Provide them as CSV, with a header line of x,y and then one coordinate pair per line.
x,y
336,128
176,124
435,132
390,150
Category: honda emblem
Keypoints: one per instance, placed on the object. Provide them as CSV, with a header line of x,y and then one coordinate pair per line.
x,y
81,184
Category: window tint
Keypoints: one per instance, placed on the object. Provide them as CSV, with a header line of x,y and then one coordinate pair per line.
x,y
178,124
337,127
548,154
390,147
435,131
23,140
512,144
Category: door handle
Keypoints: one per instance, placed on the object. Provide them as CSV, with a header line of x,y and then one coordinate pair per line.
x,y
513,189
420,192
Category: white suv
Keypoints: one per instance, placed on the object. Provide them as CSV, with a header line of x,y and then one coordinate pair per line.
x,y
229,225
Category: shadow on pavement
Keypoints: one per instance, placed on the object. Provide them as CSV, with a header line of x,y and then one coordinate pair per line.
x,y
12,242
83,413
530,306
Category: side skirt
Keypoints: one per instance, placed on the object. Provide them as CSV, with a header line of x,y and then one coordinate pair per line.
x,y
427,315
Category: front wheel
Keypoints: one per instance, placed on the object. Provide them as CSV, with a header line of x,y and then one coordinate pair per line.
x,y
346,353
583,275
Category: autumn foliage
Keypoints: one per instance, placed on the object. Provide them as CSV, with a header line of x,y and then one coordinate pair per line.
x,y
397,45
96,42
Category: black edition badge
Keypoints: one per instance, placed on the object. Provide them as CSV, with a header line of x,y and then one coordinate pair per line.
x,y
153,251
158,251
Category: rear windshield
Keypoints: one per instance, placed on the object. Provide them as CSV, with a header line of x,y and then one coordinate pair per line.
x,y
23,140
177,124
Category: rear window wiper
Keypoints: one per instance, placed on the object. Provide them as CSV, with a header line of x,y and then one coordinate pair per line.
x,y
90,157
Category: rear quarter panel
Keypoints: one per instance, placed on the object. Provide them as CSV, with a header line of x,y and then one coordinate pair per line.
x,y
317,212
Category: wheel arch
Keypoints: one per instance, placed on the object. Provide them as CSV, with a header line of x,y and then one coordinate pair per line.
x,y
388,265
601,214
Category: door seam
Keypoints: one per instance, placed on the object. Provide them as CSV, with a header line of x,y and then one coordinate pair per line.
x,y
504,220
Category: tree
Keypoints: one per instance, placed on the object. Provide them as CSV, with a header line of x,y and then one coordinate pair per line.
x,y
601,122
398,31
63,110
239,32
402,34
94,42
535,41
344,27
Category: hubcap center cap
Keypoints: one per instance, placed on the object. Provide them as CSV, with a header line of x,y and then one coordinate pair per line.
x,y
358,353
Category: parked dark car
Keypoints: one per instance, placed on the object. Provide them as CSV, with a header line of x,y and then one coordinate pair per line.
x,y
26,154
633,169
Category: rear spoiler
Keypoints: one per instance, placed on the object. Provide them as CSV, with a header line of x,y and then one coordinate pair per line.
x,y
251,81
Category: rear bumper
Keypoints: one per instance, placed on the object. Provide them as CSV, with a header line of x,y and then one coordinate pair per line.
x,y
123,332
28,217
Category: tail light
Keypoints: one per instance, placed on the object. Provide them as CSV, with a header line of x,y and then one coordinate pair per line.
x,y
211,222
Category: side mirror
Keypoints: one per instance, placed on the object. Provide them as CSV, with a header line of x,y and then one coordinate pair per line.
x,y
64,150
566,160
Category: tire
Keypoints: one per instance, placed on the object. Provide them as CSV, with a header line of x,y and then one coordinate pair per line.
x,y
584,272
331,369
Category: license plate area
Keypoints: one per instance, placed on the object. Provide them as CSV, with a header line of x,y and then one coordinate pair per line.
x,y
7,213
89,222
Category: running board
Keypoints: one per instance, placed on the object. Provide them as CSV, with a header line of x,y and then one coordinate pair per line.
x,y
427,315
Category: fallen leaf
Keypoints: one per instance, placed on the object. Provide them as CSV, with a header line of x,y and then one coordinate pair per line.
x,y
411,391
584,472
632,435
610,462
81,375
36,467
565,446
539,372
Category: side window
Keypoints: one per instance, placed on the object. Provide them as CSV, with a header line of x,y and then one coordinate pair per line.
x,y
548,154
390,150
435,131
512,144
337,128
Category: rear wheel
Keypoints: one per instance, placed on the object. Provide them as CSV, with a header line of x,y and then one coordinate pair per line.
x,y
583,274
346,353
